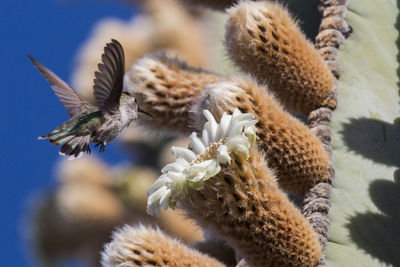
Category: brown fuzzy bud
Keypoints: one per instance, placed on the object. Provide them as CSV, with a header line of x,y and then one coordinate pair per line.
x,y
86,170
166,88
263,39
297,156
243,203
96,207
99,206
183,34
143,246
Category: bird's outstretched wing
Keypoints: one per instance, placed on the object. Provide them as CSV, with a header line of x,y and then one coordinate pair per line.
x,y
108,83
70,99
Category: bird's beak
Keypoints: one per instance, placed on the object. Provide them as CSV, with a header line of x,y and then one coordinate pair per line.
x,y
144,112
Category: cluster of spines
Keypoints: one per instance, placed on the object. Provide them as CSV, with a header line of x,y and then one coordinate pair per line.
x,y
166,88
244,205
141,246
262,39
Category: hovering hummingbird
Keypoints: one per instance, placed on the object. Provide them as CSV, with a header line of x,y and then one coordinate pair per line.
x,y
99,123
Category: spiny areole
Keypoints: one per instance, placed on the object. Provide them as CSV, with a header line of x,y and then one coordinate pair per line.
x,y
263,39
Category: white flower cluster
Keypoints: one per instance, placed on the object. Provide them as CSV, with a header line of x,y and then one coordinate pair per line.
x,y
235,133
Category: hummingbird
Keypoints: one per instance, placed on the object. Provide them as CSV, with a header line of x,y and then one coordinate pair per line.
x,y
89,123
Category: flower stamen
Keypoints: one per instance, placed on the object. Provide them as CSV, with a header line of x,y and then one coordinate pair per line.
x,y
210,152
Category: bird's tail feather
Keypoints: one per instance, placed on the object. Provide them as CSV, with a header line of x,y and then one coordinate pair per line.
x,y
75,147
57,137
72,146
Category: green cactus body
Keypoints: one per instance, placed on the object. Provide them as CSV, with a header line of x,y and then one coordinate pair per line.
x,y
366,141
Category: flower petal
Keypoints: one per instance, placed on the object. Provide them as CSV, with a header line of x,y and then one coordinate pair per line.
x,y
160,182
196,145
239,144
211,126
205,137
250,132
185,153
157,199
224,124
178,165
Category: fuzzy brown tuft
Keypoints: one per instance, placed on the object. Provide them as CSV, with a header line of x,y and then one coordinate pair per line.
x,y
263,39
166,88
141,246
243,204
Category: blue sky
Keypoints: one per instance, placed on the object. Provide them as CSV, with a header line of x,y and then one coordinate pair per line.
x,y
51,31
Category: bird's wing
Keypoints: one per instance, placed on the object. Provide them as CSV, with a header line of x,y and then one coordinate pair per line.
x,y
73,102
108,83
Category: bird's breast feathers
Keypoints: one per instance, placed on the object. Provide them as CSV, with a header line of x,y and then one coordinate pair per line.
x,y
125,119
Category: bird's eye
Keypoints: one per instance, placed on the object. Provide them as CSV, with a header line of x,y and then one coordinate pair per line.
x,y
135,100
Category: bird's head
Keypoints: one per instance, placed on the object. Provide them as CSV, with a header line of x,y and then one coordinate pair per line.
x,y
131,108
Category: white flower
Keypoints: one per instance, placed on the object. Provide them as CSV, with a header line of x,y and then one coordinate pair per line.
x,y
234,134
